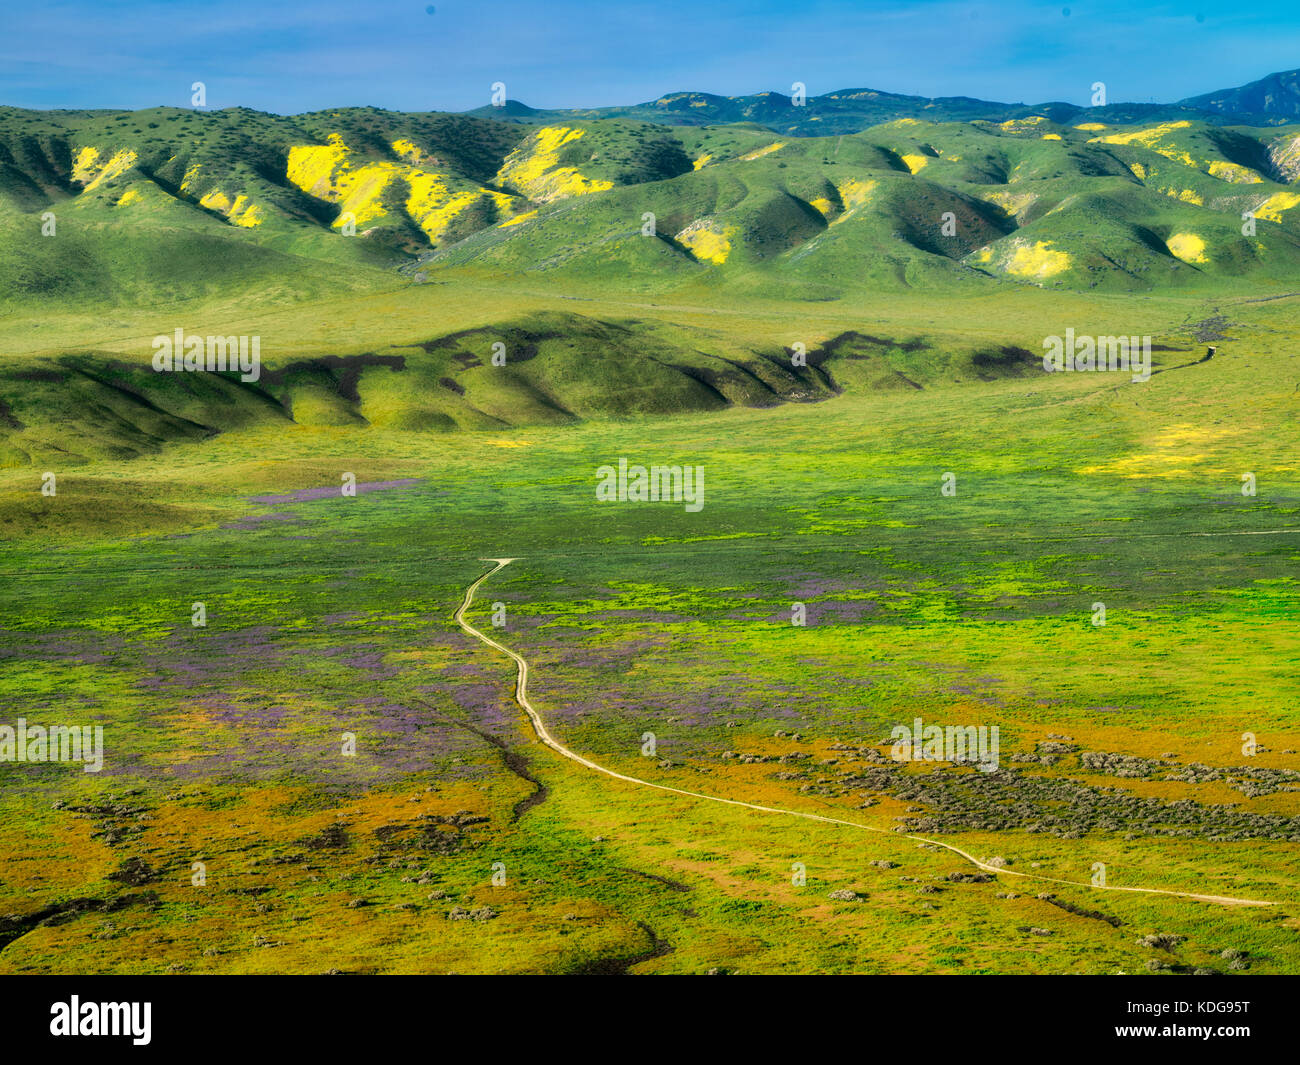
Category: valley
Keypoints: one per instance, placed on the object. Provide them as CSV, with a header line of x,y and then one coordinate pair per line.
x,y
659,739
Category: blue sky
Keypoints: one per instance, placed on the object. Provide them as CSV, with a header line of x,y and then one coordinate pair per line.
x,y
288,56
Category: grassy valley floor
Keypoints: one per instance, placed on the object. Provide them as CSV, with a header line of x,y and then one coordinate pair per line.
x,y
454,841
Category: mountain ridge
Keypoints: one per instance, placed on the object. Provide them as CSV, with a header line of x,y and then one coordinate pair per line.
x,y
1271,100
172,203
1277,93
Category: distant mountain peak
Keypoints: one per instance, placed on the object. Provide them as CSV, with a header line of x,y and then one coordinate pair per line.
x,y
1275,94
1272,100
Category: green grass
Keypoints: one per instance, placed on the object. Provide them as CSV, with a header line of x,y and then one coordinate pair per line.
x,y
822,487
969,609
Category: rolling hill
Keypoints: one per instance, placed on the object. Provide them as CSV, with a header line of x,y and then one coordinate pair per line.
x,y
174,216
109,208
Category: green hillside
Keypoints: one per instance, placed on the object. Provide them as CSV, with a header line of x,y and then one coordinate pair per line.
x,y
1032,202
387,242
169,204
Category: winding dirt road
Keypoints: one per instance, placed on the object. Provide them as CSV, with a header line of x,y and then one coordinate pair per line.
x,y
539,726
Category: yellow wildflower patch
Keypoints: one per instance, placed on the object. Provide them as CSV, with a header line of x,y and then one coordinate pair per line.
x,y
1014,203
707,240
120,163
1188,247
758,153
83,165
1174,451
1037,261
88,170
361,191
1020,125
238,212
1238,175
1153,138
1145,137
915,162
1271,209
854,193
1091,127
1186,196
327,172
534,168
407,150
245,214
128,197
311,166
1051,136
527,216
703,160
215,200
249,218
432,204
